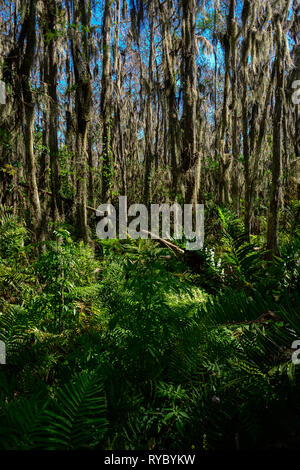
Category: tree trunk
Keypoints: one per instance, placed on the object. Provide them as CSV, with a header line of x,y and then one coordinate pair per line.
x,y
51,80
149,124
29,118
232,28
170,90
83,102
189,156
105,106
273,219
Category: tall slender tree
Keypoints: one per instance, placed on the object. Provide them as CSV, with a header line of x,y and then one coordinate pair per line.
x,y
80,47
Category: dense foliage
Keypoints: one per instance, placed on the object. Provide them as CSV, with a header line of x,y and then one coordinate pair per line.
x,y
130,348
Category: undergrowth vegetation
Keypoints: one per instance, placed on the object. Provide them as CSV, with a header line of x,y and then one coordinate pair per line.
x,y
129,346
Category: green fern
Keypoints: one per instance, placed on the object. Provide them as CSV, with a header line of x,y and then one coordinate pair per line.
x,y
77,417
73,419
